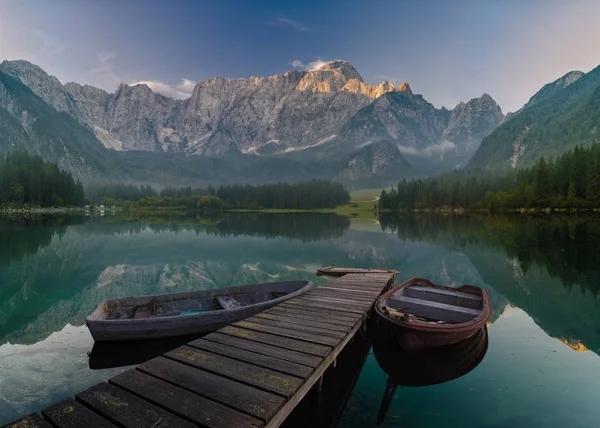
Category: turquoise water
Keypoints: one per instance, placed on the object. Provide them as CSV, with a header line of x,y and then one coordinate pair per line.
x,y
541,367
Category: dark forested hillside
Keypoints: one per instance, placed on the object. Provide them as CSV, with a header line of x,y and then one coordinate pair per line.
x,y
570,181
554,121
27,179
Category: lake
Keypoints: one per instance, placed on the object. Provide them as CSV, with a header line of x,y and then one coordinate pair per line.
x,y
541,367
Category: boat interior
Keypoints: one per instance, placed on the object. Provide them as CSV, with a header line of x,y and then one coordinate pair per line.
x,y
436,304
157,307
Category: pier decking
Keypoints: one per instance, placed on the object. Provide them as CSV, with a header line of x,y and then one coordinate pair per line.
x,y
252,373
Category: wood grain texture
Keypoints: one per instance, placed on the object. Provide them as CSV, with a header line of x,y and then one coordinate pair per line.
x,y
261,360
127,410
71,414
297,327
283,342
286,332
30,421
316,315
183,403
300,358
313,322
239,371
252,401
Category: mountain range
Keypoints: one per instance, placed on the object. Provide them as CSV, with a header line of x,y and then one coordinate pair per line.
x,y
327,123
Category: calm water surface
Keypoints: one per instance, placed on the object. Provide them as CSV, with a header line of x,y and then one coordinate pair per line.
x,y
541,367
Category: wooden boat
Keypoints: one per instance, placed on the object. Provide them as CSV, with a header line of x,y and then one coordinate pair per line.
x,y
338,272
179,314
424,367
425,315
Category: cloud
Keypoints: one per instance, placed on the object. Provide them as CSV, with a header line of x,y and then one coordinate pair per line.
x,y
311,66
283,22
28,43
180,91
444,145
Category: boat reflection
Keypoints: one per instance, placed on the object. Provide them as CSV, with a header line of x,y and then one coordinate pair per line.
x,y
106,355
425,367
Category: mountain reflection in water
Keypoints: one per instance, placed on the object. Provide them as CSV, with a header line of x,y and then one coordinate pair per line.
x,y
542,274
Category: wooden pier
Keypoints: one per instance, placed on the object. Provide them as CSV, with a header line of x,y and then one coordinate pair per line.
x,y
252,373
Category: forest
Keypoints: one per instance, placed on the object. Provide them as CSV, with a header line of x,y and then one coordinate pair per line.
x,y
571,181
314,194
28,180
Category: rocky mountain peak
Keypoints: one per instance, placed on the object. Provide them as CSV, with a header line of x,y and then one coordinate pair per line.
x,y
344,68
405,87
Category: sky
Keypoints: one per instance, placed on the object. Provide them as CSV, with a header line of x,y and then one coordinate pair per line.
x,y
448,50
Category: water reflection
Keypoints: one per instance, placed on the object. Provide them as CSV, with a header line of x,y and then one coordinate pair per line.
x,y
424,367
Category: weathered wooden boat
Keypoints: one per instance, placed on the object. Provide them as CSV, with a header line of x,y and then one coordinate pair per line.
x,y
339,272
179,314
425,315
424,367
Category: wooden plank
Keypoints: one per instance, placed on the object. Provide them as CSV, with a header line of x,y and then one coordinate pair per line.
x,y
335,309
337,302
30,421
433,310
249,400
297,327
313,315
261,360
357,285
321,312
71,414
264,349
283,342
340,288
127,410
352,297
183,403
306,322
284,332
329,359
260,377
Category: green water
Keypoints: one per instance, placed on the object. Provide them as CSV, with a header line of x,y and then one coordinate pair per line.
x,y
543,276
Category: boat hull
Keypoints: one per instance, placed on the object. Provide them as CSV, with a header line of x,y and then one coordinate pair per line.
x,y
172,326
416,335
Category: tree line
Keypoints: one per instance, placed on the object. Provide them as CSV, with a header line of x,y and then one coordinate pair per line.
x,y
314,194
27,179
570,181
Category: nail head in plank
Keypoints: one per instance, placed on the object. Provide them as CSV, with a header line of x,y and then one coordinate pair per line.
x,y
30,421
252,401
264,349
71,414
183,403
259,377
303,322
297,327
284,332
283,342
128,410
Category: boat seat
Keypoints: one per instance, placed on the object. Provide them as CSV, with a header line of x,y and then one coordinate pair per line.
x,y
228,302
441,295
432,310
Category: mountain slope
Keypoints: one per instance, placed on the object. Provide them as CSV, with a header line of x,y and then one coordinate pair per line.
x,y
27,122
559,118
